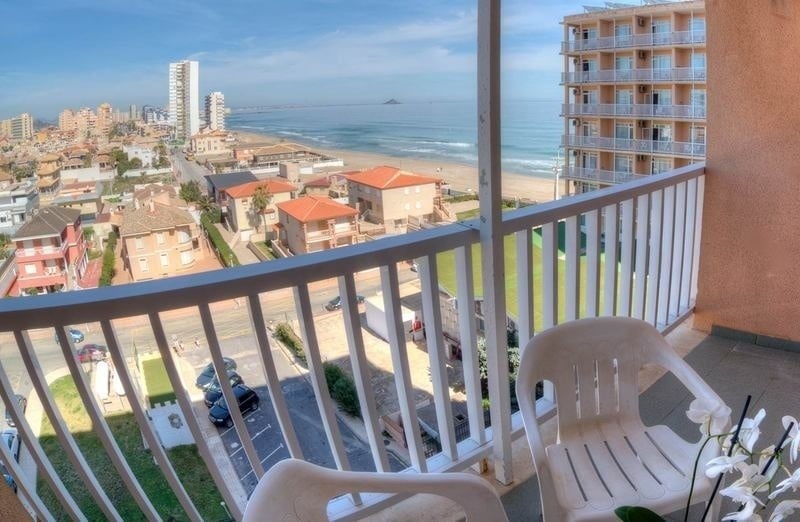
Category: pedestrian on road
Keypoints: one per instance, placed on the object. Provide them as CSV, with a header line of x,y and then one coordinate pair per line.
x,y
196,342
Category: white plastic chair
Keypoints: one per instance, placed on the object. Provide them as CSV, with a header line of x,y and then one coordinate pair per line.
x,y
295,490
605,457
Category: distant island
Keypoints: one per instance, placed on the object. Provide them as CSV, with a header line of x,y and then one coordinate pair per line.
x,y
391,102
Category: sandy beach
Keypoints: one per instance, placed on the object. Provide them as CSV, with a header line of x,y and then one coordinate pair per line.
x,y
460,177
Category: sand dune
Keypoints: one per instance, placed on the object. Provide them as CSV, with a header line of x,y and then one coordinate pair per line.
x,y
461,177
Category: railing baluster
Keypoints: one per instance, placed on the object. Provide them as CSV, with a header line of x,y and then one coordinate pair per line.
x,y
524,245
31,442
627,247
611,226
549,274
146,427
698,227
667,236
227,390
234,502
467,326
642,244
432,314
361,373
677,255
402,371
654,263
592,263
317,374
273,382
688,249
572,269
59,426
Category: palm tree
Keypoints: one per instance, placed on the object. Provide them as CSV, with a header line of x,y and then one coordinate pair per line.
x,y
262,198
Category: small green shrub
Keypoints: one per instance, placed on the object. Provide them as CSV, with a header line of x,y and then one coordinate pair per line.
x,y
224,251
342,389
285,334
109,260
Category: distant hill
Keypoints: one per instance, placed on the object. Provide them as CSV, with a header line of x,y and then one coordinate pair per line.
x,y
391,102
42,124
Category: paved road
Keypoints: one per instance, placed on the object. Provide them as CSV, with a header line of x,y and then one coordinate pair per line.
x,y
189,170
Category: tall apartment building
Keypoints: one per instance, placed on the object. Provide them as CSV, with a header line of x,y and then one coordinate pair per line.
x,y
184,100
17,128
83,121
634,91
133,113
215,110
105,117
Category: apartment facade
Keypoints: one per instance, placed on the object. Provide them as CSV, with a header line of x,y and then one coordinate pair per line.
x,y
17,128
314,223
18,202
51,253
241,215
210,142
215,110
388,195
184,101
48,173
634,92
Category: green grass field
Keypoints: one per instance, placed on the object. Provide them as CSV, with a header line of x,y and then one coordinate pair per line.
x,y
159,389
185,460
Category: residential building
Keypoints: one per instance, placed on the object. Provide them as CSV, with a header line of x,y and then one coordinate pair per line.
x,y
216,184
145,155
18,128
634,92
184,101
332,185
83,121
215,111
105,117
388,196
133,113
158,239
51,253
18,202
208,142
314,223
154,115
48,173
239,211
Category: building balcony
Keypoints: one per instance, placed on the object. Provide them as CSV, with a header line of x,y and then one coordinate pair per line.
x,y
635,110
46,252
653,223
604,177
667,75
53,277
680,38
674,148
328,235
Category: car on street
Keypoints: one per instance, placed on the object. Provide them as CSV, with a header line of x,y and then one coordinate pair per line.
x,y
75,334
91,352
214,390
207,375
247,398
23,404
336,302
11,440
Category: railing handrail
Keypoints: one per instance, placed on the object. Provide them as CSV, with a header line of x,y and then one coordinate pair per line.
x,y
188,290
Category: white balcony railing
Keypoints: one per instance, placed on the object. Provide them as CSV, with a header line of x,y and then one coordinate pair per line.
x,y
631,145
636,40
641,110
605,177
673,74
640,259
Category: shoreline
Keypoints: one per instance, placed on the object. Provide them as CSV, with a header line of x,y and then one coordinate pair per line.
x,y
462,178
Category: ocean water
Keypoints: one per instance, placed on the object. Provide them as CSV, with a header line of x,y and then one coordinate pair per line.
x,y
445,131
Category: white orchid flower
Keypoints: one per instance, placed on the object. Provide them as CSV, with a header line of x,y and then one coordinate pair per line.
x,y
747,514
712,416
750,431
794,437
793,483
723,464
784,509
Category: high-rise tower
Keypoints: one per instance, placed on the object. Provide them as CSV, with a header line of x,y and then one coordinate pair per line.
x,y
215,110
184,100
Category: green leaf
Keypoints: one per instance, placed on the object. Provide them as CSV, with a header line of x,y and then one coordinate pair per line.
x,y
637,514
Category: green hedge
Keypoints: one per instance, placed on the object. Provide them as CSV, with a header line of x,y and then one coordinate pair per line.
x,y
224,251
108,261
342,389
285,334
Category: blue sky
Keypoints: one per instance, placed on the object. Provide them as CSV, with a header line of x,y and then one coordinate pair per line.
x,y
76,53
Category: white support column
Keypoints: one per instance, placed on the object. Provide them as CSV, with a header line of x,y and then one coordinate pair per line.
x,y
549,275
654,263
677,253
698,227
626,258
688,250
490,191
573,266
667,238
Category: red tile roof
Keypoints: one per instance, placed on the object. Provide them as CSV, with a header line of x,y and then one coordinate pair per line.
x,y
315,208
246,190
385,177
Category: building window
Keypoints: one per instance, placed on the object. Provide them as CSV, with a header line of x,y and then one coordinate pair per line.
x,y
143,266
419,205
407,206
187,257
183,236
160,238
139,243
30,269
406,191
417,189
164,259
